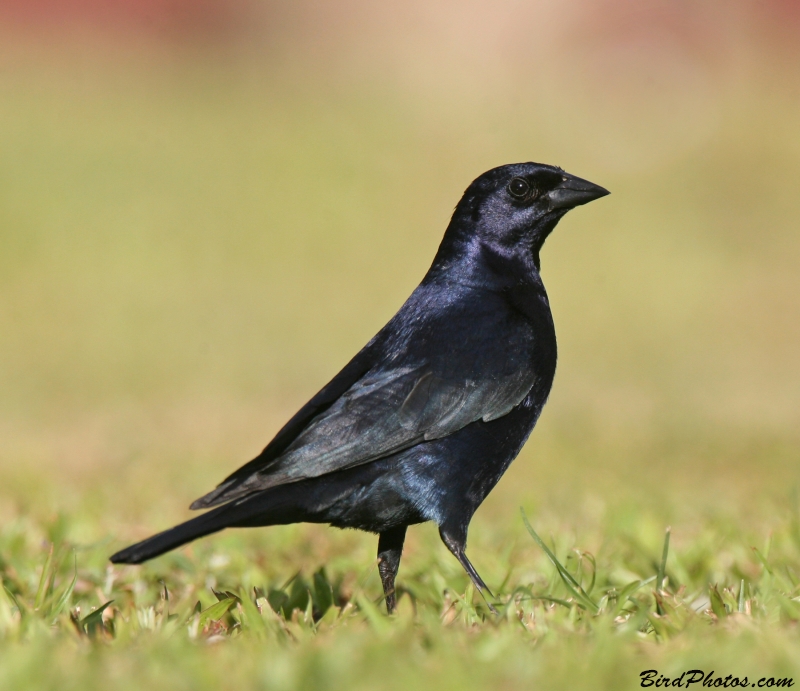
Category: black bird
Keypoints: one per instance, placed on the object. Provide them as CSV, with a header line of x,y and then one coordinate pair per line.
x,y
422,422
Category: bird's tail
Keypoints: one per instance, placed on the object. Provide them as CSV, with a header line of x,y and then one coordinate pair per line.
x,y
206,524
270,507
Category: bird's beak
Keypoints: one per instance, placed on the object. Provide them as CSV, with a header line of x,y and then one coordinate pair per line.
x,y
574,191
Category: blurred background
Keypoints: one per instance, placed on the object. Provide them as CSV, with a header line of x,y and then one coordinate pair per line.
x,y
207,207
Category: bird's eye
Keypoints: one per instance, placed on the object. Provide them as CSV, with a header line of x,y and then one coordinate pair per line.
x,y
519,188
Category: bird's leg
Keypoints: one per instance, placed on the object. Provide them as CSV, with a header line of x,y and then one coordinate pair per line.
x,y
390,548
457,545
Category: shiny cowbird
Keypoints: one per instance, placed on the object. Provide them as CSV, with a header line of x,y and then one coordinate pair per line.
x,y
424,420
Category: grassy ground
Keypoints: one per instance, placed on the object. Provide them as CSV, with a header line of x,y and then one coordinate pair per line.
x,y
299,608
190,249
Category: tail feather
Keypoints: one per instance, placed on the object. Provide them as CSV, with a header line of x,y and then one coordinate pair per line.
x,y
208,523
269,507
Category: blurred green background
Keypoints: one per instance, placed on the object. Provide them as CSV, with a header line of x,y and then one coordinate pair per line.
x,y
207,208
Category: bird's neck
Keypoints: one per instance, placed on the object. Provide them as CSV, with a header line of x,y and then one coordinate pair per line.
x,y
487,265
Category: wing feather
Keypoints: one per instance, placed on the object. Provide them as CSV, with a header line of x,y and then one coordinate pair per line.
x,y
387,400
382,415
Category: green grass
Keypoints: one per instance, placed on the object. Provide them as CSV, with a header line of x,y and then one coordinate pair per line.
x,y
251,610
191,246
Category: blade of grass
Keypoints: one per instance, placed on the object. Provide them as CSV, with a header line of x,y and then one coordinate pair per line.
x,y
554,600
590,558
62,601
93,620
14,600
763,560
253,619
44,580
717,603
662,567
216,611
6,608
570,583
625,594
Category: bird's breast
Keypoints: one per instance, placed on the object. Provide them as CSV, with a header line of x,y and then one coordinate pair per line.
x,y
530,302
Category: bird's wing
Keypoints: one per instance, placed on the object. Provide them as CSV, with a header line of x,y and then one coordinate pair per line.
x,y
383,412
349,375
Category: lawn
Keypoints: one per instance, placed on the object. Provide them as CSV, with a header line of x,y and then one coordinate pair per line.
x,y
192,247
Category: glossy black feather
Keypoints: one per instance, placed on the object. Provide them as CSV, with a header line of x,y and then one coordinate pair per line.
x,y
412,394
424,420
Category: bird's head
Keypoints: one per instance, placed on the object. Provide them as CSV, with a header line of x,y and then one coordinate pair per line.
x,y
512,209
